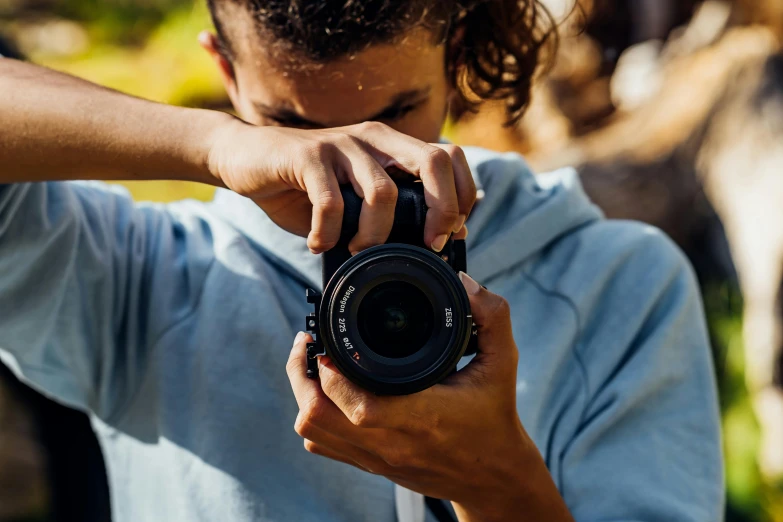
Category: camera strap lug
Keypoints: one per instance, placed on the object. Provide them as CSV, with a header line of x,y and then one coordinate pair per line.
x,y
315,348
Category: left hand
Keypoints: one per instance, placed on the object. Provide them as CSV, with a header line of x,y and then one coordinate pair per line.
x,y
460,440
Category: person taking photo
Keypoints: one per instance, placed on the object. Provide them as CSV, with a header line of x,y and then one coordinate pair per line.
x,y
591,398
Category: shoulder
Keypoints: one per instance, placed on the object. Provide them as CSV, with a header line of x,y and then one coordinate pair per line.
x,y
634,292
610,259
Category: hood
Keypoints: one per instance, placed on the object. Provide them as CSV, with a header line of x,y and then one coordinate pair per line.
x,y
516,216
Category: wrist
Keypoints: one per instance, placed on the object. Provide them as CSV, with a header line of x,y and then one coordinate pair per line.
x,y
205,130
523,489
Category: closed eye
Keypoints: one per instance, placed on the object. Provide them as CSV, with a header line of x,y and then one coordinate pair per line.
x,y
397,113
294,123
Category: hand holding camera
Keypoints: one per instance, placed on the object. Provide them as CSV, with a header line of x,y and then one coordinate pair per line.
x,y
394,318
295,177
460,439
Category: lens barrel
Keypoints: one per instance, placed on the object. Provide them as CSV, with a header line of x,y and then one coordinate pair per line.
x,y
395,319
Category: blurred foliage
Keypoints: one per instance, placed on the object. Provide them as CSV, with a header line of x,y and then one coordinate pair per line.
x,y
749,498
149,48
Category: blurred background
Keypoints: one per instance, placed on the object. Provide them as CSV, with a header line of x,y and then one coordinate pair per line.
x,y
671,110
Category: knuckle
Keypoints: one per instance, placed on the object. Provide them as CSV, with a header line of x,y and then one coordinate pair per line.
x,y
449,213
311,415
372,126
364,416
453,151
312,447
319,240
303,428
329,203
437,157
330,200
321,244
382,192
344,141
397,456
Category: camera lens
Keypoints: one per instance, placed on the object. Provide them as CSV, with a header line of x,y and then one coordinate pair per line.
x,y
395,319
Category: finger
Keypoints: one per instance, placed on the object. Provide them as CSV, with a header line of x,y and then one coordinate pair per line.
x,y
492,316
357,404
323,443
431,164
322,451
323,191
315,408
440,192
411,413
463,179
377,190
462,234
305,390
317,412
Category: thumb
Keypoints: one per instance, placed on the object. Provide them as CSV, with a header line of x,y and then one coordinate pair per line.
x,y
492,316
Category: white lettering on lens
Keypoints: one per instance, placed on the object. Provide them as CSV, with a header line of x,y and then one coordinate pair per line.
x,y
448,318
344,300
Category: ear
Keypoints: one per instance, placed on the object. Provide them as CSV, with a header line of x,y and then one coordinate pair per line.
x,y
210,43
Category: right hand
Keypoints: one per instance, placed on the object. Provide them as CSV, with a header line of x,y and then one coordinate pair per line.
x,y
294,176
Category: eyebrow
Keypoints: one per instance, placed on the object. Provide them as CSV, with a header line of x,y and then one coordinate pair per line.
x,y
289,115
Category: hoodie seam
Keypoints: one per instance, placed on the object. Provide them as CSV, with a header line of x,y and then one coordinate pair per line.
x,y
575,346
580,363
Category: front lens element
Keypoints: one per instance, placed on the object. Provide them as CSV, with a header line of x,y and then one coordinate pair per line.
x,y
395,319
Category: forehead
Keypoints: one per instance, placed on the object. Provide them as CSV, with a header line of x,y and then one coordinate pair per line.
x,y
344,90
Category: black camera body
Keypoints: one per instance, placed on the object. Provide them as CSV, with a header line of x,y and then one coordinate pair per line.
x,y
395,318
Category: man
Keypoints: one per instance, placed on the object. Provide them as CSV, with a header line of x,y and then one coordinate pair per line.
x,y
592,397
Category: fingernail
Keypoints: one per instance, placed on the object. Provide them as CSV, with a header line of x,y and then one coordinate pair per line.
x,y
299,337
440,242
460,222
470,285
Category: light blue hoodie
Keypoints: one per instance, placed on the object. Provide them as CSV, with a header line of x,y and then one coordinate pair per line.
x,y
171,325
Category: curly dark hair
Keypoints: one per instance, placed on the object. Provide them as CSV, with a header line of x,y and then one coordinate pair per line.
x,y
495,46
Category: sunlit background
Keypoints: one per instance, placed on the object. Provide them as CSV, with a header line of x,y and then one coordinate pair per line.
x,y
650,102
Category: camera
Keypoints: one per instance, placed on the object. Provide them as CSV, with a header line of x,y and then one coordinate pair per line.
x,y
395,318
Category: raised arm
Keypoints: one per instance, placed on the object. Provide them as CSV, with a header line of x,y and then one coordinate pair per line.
x,y
57,127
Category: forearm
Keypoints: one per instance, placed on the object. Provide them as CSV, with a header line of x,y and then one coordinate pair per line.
x,y
525,492
57,127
